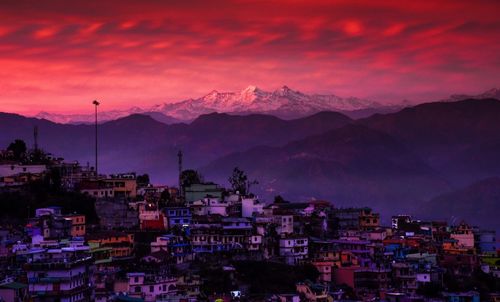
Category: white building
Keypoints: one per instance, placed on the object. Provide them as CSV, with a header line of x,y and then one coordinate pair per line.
x,y
209,206
254,243
63,271
293,249
15,169
249,206
284,224
150,287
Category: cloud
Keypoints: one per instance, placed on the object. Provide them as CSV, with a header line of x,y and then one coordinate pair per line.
x,y
170,50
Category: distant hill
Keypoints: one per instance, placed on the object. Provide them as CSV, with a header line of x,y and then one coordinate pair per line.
x,y
138,142
477,204
350,165
459,139
104,116
493,93
403,158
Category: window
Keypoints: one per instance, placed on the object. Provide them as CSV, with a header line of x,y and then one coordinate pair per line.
x,y
137,289
151,288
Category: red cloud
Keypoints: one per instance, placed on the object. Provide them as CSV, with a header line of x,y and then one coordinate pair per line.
x,y
151,51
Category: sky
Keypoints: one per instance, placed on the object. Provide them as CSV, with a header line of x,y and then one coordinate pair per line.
x,y
59,55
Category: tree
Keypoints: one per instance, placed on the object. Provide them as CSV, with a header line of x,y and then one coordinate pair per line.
x,y
239,181
189,177
18,147
143,180
279,199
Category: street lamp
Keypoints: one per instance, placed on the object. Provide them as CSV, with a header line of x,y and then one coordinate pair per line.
x,y
96,103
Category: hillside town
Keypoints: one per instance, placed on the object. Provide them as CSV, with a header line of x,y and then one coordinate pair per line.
x,y
69,233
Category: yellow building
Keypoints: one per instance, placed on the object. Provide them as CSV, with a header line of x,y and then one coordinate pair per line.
x,y
124,185
122,244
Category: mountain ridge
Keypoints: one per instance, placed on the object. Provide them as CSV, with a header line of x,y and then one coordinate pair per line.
x,y
283,102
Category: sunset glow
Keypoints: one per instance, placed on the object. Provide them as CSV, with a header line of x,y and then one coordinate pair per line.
x,y
58,56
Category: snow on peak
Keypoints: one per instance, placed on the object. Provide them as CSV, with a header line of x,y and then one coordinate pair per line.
x,y
282,102
493,93
250,89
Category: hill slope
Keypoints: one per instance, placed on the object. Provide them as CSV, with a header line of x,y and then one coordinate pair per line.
x,y
477,204
138,142
349,165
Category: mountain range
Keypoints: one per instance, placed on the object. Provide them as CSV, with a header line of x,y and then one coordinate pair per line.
x,y
406,157
283,102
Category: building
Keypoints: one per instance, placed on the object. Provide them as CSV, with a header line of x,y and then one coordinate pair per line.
x,y
13,292
116,214
293,249
200,191
284,224
251,206
124,185
15,169
49,223
463,233
368,220
485,241
177,216
209,206
60,274
121,244
150,217
150,286
78,228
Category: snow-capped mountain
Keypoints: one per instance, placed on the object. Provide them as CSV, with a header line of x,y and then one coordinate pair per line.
x,y
493,93
283,102
87,118
104,116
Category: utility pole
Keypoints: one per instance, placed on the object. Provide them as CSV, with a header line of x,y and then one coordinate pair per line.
x,y
96,103
35,136
179,155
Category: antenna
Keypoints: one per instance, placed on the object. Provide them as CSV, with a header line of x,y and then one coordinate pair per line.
x,y
179,155
96,103
35,136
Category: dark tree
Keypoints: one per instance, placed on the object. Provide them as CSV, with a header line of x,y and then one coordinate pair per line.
x,y
239,181
18,147
143,180
279,199
189,177
38,156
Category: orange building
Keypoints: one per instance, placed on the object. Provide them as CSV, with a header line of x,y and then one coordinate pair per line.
x,y
78,228
121,244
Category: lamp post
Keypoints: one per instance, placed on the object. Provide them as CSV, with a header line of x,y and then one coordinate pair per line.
x,y
96,103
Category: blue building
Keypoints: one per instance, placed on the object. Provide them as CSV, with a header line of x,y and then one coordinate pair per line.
x,y
178,216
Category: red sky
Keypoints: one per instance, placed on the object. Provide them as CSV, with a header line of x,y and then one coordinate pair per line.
x,y
59,55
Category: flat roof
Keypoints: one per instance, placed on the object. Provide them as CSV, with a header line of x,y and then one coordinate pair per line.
x,y
13,285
